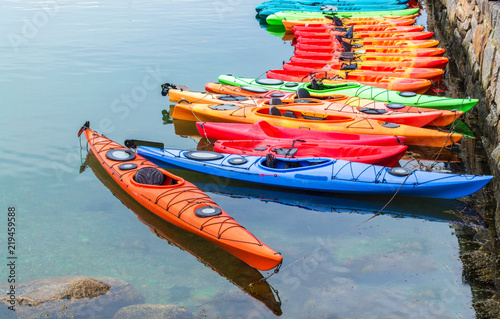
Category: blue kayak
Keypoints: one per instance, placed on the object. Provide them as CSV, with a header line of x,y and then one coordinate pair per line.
x,y
265,4
320,174
267,11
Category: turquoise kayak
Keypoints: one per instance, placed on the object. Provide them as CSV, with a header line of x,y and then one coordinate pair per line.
x,y
278,17
340,8
266,4
320,174
320,90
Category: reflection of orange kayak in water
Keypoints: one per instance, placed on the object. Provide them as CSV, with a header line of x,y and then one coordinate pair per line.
x,y
419,86
236,271
178,201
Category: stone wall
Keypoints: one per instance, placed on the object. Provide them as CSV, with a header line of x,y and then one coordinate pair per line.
x,y
472,31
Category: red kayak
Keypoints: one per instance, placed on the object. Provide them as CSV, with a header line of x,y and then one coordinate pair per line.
x,y
308,37
262,130
369,154
372,68
374,50
369,43
357,28
419,86
406,61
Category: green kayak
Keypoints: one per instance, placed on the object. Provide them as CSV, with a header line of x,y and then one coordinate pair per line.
x,y
276,18
353,89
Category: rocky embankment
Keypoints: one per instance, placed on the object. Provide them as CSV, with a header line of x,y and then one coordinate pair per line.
x,y
470,31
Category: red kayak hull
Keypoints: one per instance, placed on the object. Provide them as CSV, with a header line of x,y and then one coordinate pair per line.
x,y
262,130
378,155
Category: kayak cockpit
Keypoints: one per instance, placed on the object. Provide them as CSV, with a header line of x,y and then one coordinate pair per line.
x,y
150,176
277,163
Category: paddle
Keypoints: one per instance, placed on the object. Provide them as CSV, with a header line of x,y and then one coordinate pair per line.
x,y
336,20
132,144
350,33
460,127
291,148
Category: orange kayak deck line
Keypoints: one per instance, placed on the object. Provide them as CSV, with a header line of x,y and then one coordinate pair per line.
x,y
180,203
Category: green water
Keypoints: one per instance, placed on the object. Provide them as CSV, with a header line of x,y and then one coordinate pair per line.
x,y
65,62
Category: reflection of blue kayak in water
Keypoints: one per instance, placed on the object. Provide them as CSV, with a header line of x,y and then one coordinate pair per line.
x,y
321,174
438,210
235,270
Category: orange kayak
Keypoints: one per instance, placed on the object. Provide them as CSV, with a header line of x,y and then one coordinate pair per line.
x,y
320,121
361,44
400,61
178,201
338,104
243,276
305,37
447,117
373,50
419,86
366,69
386,21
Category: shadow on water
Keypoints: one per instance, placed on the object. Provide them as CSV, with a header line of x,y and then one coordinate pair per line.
x,y
247,278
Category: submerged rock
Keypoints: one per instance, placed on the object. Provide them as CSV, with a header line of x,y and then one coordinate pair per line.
x,y
153,312
489,308
73,296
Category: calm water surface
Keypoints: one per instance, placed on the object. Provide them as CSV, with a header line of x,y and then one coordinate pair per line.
x,y
65,62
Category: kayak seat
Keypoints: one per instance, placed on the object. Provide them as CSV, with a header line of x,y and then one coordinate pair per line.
x,y
270,160
289,114
285,151
302,93
275,101
291,165
149,176
273,110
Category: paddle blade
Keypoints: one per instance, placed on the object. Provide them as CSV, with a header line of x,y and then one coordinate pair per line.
x,y
460,127
132,144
